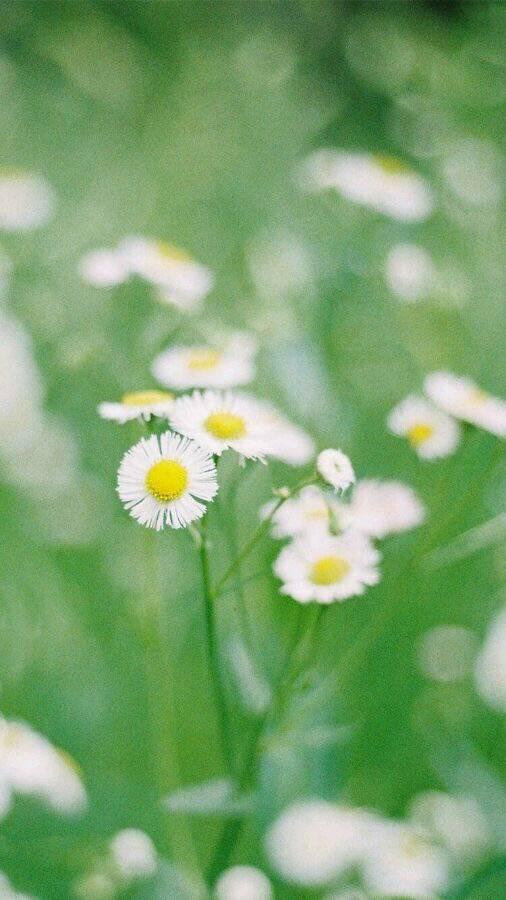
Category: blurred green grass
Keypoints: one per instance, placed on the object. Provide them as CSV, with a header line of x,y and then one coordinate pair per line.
x,y
184,121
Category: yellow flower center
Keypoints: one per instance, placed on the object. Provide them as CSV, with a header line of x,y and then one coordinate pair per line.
x,y
167,480
390,164
225,425
203,359
328,570
419,433
146,398
171,253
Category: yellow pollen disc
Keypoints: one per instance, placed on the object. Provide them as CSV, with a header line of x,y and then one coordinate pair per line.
x,y
390,164
146,398
226,426
328,570
173,254
200,360
167,480
419,433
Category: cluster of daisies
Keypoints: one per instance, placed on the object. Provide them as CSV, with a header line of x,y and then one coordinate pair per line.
x,y
430,423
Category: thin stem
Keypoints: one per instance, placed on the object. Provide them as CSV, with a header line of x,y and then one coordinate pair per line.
x,y
163,717
214,661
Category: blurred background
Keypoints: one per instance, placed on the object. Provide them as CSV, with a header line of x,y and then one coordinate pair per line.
x,y
185,121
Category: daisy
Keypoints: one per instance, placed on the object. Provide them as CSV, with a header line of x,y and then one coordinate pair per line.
x,y
162,479
310,510
26,200
218,420
379,508
243,883
287,442
103,268
409,272
181,280
401,863
382,182
204,366
323,568
335,468
133,854
139,405
462,398
431,433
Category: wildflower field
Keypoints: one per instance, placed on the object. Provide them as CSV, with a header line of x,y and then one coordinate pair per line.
x,y
252,480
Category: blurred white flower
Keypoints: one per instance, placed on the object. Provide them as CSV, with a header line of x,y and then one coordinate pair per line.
x,y
410,273
163,479
309,510
335,468
104,268
243,883
379,508
181,281
205,366
134,854
26,200
287,442
7,892
490,672
29,764
431,433
322,568
457,822
462,398
401,863
382,182
139,405
220,420
313,841
446,653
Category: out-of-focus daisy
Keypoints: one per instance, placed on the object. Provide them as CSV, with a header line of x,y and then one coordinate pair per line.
x,y
181,280
446,653
138,405
287,442
401,863
133,854
26,200
322,568
458,822
104,268
490,672
462,398
410,273
312,842
218,420
204,366
29,764
310,510
382,182
378,508
431,433
163,481
335,468
243,883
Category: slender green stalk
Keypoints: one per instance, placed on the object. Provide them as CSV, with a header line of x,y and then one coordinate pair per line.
x,y
212,648
162,709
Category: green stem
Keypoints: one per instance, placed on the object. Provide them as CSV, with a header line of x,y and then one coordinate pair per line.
x,y
160,678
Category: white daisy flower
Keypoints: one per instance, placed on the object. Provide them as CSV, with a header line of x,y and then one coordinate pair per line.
x,y
458,822
335,468
203,366
462,398
382,182
287,442
133,854
409,272
220,420
322,568
431,433
26,200
401,863
181,281
139,405
243,883
379,508
103,268
29,764
310,510
163,479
